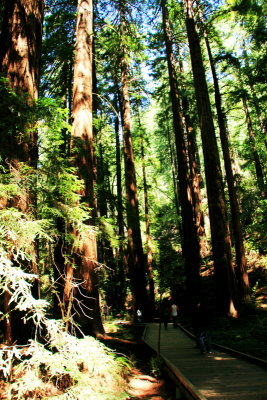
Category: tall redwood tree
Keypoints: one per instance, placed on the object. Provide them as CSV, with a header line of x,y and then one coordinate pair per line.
x,y
220,233
136,262
190,244
20,47
241,264
87,297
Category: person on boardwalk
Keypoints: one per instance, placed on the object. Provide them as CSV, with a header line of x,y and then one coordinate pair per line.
x,y
201,320
174,314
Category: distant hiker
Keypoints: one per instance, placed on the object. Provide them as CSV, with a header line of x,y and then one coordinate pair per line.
x,y
174,314
139,315
105,311
201,320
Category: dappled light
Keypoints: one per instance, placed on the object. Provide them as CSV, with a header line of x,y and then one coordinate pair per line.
x,y
144,386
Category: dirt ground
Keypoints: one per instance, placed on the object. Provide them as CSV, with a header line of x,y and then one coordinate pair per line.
x,y
147,381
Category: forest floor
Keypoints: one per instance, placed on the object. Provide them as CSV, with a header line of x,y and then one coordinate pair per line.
x,y
147,380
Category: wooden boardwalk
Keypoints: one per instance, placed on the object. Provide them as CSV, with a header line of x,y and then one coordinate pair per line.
x,y
217,376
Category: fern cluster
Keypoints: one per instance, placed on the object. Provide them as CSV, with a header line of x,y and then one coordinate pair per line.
x,y
53,363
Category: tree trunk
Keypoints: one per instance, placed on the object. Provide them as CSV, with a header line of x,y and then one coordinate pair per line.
x,y
121,257
20,48
190,244
135,248
174,171
241,264
149,256
21,44
83,151
256,158
220,234
194,165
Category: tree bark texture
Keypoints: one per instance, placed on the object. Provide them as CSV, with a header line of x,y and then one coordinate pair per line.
x,y
20,48
121,256
241,264
136,263
149,255
190,244
174,167
87,296
220,233
194,166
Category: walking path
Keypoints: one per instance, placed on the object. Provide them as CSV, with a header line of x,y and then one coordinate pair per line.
x,y
217,376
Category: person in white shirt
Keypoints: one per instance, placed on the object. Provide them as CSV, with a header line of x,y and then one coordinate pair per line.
x,y
174,314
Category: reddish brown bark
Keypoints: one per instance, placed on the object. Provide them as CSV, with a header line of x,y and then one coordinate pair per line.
x,y
220,233
135,249
121,256
241,264
87,296
21,44
20,47
190,244
149,253
194,166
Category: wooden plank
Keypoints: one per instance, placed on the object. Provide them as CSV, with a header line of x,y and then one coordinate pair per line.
x,y
216,376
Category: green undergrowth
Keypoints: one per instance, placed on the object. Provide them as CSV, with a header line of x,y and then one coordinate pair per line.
x,y
75,369
246,334
127,340
55,365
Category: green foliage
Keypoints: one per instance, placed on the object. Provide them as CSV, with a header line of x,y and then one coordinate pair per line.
x,y
107,231
58,49
34,200
245,334
17,114
156,366
58,185
18,232
80,368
